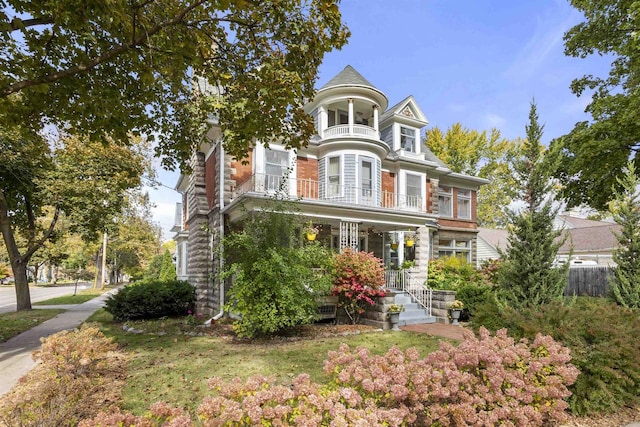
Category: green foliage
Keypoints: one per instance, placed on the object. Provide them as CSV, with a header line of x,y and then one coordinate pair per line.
x,y
65,66
450,273
358,278
527,276
474,153
168,268
74,365
625,283
276,276
598,333
152,300
595,153
154,268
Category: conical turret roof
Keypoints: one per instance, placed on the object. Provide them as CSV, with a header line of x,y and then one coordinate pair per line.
x,y
348,77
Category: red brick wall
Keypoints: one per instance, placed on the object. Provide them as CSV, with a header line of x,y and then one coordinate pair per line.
x,y
457,223
474,206
307,177
242,171
388,186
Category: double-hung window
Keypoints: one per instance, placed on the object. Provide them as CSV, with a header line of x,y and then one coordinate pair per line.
x,y
275,167
445,201
408,139
413,191
333,176
455,248
464,204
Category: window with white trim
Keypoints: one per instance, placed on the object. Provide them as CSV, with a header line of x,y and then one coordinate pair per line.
x,y
408,139
413,191
276,165
455,248
464,204
366,178
445,199
333,176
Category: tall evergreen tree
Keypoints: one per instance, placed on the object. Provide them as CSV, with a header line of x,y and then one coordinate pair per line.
x,y
528,277
168,269
625,284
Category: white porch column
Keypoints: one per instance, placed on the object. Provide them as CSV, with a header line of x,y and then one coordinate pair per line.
x,y
351,116
322,120
375,118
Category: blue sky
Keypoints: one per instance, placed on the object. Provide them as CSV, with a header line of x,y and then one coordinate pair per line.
x,y
476,62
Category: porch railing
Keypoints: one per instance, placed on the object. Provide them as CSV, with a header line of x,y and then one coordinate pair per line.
x,y
336,193
358,130
403,281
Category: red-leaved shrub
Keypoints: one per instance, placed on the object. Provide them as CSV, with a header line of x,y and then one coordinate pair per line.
x,y
358,280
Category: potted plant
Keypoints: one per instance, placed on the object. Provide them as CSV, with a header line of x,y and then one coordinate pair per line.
x,y
394,245
394,315
310,231
407,265
410,240
455,308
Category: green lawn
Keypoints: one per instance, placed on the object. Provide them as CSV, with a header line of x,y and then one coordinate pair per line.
x,y
175,367
14,323
82,296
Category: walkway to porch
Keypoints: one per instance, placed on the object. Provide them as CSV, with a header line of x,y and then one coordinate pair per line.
x,y
437,330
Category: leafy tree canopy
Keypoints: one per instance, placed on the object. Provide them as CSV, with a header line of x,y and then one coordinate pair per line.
x,y
487,156
595,153
96,67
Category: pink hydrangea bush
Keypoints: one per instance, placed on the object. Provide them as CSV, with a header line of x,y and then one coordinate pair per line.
x,y
486,380
160,415
358,280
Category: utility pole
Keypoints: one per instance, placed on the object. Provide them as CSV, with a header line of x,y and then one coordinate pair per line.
x,y
104,261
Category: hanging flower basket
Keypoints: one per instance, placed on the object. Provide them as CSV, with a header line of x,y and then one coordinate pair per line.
x,y
409,242
394,246
311,231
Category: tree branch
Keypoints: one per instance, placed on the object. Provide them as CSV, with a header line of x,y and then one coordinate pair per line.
x,y
38,244
26,23
89,65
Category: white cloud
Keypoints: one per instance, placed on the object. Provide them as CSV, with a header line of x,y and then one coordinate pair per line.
x,y
492,120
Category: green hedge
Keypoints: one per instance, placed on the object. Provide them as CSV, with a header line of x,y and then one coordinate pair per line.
x,y
152,299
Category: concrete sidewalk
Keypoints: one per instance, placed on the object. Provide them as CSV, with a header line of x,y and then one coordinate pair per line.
x,y
15,354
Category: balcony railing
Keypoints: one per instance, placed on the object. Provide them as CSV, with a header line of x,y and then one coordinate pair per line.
x,y
358,130
308,189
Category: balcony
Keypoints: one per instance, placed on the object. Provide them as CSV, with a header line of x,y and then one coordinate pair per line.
x,y
311,190
341,131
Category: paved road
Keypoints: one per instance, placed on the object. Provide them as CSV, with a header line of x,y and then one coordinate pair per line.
x,y
8,294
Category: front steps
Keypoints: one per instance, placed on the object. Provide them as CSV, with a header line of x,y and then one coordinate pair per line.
x,y
413,313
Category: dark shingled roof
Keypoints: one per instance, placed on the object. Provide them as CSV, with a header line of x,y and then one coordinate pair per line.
x,y
348,77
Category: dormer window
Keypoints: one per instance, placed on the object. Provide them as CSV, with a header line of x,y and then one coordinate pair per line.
x,y
408,139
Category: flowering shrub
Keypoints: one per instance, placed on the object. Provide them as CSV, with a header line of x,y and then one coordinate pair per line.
x,y
489,380
80,372
456,305
358,279
160,414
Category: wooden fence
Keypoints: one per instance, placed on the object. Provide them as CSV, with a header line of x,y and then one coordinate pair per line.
x,y
588,280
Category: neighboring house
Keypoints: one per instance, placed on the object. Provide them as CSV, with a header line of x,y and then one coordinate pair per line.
x,y
591,242
490,240
365,180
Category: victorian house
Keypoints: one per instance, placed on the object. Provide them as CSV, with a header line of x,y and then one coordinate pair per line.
x,y
365,180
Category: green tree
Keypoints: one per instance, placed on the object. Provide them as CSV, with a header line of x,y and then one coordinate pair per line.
x,y
595,153
528,276
168,268
67,63
625,208
81,180
474,153
154,268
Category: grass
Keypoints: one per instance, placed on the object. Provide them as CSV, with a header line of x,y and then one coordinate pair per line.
x,y
14,323
82,296
175,367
